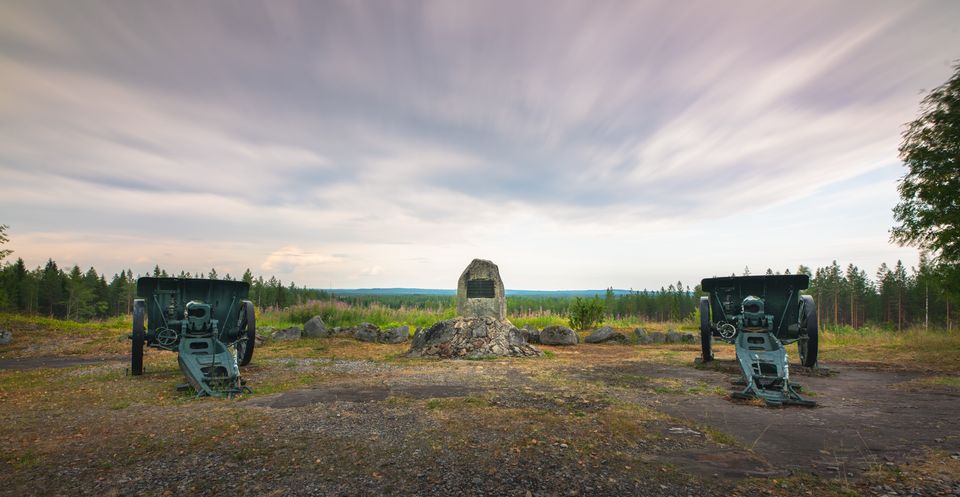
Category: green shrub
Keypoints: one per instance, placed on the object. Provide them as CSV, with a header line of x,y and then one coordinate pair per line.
x,y
586,313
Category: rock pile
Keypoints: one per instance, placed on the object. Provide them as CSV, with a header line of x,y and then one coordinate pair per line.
x,y
367,332
471,338
606,334
671,336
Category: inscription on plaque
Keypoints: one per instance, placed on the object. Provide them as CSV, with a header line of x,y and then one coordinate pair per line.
x,y
480,289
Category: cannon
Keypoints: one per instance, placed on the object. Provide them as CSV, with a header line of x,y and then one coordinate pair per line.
x,y
760,316
207,322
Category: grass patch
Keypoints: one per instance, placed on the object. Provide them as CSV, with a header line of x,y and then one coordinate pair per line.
x,y
38,336
950,382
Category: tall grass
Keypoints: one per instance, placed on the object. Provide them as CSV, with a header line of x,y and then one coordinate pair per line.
x,y
335,313
32,321
341,314
936,348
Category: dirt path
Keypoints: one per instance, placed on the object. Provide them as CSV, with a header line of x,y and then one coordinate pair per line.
x,y
22,363
864,417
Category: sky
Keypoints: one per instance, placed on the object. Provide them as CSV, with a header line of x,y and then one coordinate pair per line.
x,y
387,144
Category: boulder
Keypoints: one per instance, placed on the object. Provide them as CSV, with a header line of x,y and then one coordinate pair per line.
x,y
641,336
530,333
395,335
6,336
367,332
471,338
673,336
559,335
292,333
687,338
316,328
657,337
606,334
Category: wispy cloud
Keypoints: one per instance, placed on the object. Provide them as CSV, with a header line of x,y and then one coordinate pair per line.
x,y
441,131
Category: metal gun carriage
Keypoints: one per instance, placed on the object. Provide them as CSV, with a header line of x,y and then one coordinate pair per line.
x,y
761,315
207,322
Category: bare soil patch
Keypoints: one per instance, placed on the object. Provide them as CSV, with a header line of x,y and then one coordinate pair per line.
x,y
358,393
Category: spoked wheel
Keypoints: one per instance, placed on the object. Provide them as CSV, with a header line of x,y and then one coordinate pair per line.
x,y
138,337
808,344
706,335
247,333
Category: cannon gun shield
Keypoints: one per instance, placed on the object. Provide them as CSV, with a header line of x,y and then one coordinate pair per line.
x,y
760,315
209,323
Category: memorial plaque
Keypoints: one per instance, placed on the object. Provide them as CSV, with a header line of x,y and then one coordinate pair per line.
x,y
480,289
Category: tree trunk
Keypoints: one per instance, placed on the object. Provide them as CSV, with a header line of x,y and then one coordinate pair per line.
x,y
853,311
819,312
899,311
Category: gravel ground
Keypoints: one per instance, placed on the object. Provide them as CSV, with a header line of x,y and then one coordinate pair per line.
x,y
606,424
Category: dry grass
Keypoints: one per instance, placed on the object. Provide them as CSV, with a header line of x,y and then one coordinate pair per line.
x,y
934,350
36,336
330,348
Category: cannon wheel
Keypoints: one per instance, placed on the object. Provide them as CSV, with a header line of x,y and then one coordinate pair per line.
x,y
706,336
809,346
247,326
138,337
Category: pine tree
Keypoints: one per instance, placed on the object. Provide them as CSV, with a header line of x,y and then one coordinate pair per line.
x,y
51,288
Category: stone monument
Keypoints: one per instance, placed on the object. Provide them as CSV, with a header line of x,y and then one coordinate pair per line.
x,y
480,292
482,328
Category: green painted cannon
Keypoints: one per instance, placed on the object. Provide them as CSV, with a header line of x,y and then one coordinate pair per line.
x,y
761,315
208,322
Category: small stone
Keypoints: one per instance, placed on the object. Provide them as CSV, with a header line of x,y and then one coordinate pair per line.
x,y
367,332
292,333
558,335
316,328
399,334
530,333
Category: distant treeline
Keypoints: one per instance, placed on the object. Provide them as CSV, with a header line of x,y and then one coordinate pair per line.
x,y
895,297
82,295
